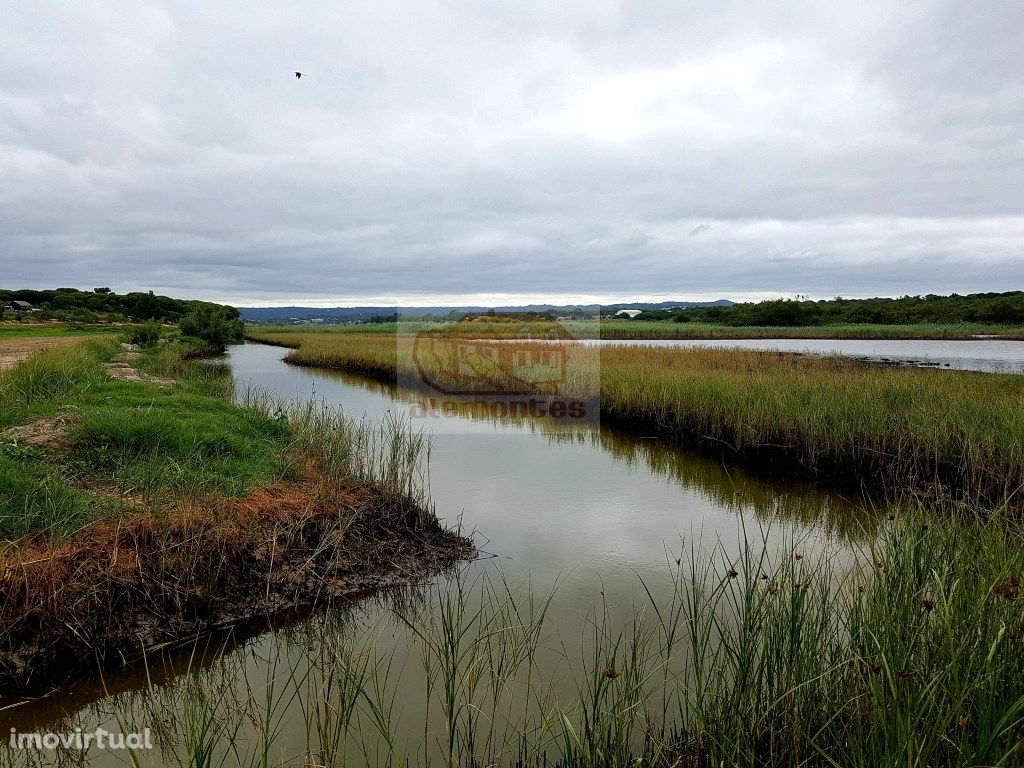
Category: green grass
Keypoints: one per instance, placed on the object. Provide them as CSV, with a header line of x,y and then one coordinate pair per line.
x,y
126,437
161,441
34,498
49,330
51,376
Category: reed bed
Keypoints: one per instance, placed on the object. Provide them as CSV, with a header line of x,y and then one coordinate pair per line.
x,y
660,329
883,428
912,655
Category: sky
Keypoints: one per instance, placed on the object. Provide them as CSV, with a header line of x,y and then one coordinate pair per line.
x,y
487,152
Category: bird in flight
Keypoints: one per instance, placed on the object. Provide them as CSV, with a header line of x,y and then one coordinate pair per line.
x,y
298,75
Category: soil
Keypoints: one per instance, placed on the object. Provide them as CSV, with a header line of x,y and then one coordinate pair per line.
x,y
122,366
122,587
13,351
44,433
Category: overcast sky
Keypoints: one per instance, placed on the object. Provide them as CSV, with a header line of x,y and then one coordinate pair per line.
x,y
492,152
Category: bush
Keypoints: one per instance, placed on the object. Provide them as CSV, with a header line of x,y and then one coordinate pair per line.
x,y
145,335
213,325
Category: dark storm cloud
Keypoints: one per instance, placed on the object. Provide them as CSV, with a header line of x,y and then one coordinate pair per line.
x,y
436,150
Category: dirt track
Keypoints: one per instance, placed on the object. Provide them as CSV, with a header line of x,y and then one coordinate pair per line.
x,y
15,350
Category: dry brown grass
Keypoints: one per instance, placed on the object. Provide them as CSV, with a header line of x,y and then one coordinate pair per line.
x,y
125,585
881,427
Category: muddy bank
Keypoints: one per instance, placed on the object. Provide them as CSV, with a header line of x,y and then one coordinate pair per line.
x,y
122,587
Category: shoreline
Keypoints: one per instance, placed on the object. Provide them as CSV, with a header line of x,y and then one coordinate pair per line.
x,y
745,421
658,330
152,589
140,569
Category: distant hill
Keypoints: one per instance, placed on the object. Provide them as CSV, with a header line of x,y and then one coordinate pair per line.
x,y
332,315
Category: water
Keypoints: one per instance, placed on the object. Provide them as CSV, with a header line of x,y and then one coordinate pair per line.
x,y
989,355
599,513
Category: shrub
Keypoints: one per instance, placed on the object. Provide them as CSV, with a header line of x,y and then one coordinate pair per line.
x,y
145,335
213,325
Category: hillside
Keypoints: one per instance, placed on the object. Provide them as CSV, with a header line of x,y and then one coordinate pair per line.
x,y
103,305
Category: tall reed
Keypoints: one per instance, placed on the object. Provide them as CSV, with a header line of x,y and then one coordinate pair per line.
x,y
884,428
913,653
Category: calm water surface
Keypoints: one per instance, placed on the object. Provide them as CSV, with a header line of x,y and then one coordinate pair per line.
x,y
990,355
594,510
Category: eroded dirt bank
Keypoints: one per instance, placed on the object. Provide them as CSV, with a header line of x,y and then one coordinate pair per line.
x,y
124,586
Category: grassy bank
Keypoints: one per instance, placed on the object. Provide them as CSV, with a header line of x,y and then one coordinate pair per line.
x,y
139,505
18,341
884,428
641,329
664,329
765,658
21,330
913,659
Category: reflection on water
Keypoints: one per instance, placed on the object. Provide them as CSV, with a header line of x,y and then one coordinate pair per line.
x,y
597,512
705,478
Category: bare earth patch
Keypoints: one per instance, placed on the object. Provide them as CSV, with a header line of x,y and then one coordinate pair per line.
x,y
122,367
125,372
44,433
13,351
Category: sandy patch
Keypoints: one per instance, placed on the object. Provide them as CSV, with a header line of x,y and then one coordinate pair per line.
x,y
15,350
44,433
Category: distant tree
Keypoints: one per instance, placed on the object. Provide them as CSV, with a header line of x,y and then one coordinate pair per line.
x,y
1003,311
101,290
146,306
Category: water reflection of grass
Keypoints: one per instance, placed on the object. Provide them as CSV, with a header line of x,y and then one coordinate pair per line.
x,y
740,492
882,428
733,489
746,660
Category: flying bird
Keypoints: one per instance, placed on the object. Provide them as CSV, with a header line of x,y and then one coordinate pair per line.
x,y
298,75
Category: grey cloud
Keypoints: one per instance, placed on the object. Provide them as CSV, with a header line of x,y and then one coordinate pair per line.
x,y
518,148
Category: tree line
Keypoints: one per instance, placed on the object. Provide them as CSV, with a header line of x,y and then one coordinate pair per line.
x,y
989,308
214,324
103,305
